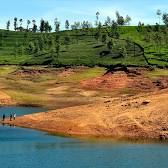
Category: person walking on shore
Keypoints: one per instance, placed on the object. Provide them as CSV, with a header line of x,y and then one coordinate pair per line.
x,y
14,116
10,117
3,117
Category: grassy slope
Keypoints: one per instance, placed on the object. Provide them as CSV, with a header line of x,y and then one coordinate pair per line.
x,y
57,87
82,52
34,89
149,48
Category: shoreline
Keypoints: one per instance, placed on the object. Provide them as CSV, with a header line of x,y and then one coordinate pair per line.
x,y
90,102
100,139
105,119
86,136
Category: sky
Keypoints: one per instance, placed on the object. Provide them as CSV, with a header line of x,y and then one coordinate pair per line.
x,y
79,10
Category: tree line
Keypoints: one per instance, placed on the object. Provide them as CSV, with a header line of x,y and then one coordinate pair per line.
x,y
45,26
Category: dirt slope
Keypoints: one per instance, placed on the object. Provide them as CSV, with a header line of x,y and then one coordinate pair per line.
x,y
141,116
5,99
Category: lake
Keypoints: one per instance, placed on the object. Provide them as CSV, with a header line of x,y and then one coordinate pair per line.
x,y
26,148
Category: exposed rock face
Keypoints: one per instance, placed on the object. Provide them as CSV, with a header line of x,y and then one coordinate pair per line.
x,y
120,80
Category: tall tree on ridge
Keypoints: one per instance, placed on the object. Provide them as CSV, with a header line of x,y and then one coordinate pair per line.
x,y
120,19
57,25
34,29
50,28
107,21
21,21
99,26
97,18
98,32
67,25
8,24
28,23
15,23
42,25
46,26
128,20
159,14
165,18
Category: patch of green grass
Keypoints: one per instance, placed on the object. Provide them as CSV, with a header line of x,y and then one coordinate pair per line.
x,y
84,75
157,73
28,98
4,70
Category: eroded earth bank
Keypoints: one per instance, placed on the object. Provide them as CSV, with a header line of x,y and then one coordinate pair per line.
x,y
85,101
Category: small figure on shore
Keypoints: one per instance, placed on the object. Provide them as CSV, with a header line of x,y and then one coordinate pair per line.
x,y
14,116
3,117
10,117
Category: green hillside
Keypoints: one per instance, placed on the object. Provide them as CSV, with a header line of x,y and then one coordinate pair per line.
x,y
82,47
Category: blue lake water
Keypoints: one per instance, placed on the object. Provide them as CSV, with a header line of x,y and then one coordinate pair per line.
x,y
26,148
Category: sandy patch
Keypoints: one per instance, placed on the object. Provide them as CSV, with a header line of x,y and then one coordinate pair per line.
x,y
58,90
88,93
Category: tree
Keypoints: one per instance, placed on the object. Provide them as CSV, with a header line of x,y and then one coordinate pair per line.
x,y
117,14
8,24
113,31
159,14
97,18
120,19
165,18
34,29
21,21
20,28
140,26
108,21
98,32
15,23
67,25
85,25
50,28
28,23
88,25
128,20
75,27
42,26
57,25
46,26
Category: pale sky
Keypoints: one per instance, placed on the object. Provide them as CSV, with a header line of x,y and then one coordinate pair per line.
x,y
79,10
